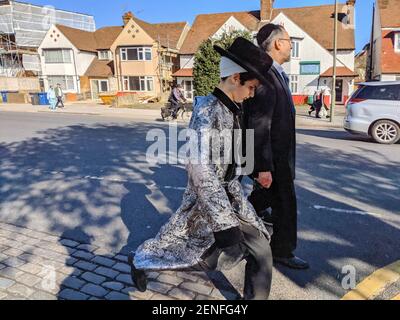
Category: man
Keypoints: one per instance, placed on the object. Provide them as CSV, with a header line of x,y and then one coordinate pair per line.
x,y
176,98
59,95
216,227
272,115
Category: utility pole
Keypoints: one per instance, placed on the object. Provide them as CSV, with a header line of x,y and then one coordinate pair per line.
x,y
333,95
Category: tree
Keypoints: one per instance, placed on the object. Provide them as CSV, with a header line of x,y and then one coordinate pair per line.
x,y
206,61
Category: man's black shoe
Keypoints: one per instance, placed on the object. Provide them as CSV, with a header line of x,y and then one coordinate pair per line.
x,y
293,262
139,277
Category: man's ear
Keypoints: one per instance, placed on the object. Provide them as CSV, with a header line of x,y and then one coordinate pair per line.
x,y
277,44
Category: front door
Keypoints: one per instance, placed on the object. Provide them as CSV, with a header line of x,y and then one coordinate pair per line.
x,y
95,89
339,90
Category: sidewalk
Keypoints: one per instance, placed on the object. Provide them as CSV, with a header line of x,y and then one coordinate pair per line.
x,y
39,266
302,119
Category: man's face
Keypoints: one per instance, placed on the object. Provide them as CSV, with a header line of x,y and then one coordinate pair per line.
x,y
285,46
246,91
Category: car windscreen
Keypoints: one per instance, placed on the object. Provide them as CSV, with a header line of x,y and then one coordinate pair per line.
x,y
386,92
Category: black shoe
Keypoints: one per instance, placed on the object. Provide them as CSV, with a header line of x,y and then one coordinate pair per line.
x,y
139,277
293,262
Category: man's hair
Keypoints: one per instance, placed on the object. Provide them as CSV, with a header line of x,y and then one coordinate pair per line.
x,y
266,36
245,76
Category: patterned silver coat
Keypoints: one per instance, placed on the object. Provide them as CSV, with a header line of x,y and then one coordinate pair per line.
x,y
209,204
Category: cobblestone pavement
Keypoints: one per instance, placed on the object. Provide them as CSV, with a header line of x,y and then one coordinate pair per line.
x,y
39,266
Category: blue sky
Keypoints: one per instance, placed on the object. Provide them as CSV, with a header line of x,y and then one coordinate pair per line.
x,y
109,12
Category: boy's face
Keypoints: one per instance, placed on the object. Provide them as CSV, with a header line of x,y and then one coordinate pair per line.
x,y
246,91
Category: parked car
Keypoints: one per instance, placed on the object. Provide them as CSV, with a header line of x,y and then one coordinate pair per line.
x,y
374,109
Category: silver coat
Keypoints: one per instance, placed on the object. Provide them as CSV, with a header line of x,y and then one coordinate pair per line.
x,y
209,204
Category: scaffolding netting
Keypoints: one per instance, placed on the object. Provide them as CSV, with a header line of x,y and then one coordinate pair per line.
x,y
30,23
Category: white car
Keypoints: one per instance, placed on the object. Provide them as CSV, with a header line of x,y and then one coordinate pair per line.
x,y
374,109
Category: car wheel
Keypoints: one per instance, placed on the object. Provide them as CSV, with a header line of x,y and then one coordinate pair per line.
x,y
386,132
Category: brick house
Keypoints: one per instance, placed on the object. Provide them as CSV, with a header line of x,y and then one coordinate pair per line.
x,y
146,55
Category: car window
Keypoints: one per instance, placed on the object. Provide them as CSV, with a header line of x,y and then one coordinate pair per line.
x,y
391,92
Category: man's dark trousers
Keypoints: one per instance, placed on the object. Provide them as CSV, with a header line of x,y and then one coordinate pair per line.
x,y
281,197
60,100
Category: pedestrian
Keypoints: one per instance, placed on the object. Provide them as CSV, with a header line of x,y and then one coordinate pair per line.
x,y
215,227
314,102
271,114
176,98
59,95
51,96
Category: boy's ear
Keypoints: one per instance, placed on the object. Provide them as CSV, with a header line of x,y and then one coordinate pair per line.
x,y
236,77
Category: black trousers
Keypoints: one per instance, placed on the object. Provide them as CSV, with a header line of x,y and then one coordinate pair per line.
x,y
256,250
281,198
60,100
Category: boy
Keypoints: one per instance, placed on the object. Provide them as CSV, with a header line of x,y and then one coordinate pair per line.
x,y
216,227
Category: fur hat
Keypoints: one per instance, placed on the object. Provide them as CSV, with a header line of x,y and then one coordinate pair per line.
x,y
248,56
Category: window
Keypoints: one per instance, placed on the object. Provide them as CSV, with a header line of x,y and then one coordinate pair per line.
x,y
103,85
138,83
105,55
378,92
397,42
57,56
311,67
67,82
397,78
294,83
188,86
136,54
296,48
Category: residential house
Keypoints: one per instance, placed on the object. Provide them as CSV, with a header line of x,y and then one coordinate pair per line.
x,y
80,61
146,55
311,30
384,55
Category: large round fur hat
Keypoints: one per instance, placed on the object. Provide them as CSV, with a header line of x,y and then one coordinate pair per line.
x,y
249,57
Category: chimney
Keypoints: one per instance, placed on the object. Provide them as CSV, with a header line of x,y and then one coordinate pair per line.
x,y
127,17
350,11
266,10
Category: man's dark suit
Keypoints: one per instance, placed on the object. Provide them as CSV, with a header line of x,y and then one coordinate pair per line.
x,y
271,113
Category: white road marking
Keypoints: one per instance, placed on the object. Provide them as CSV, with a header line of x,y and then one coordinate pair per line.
x,y
363,213
174,188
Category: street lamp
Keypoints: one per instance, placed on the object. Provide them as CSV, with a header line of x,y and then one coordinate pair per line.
x,y
333,102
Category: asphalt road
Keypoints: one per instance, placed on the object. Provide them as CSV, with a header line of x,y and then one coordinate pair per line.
x,y
86,178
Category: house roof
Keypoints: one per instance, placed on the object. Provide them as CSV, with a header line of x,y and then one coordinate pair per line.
x,y
317,21
183,73
206,25
167,33
91,41
100,68
106,36
389,13
340,72
390,60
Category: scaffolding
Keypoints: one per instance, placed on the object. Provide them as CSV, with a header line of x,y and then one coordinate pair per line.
x,y
23,27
